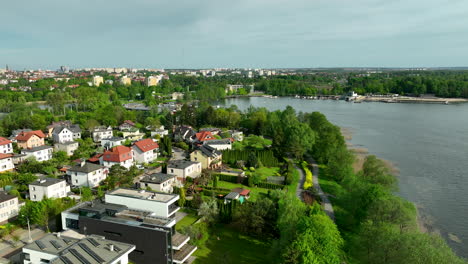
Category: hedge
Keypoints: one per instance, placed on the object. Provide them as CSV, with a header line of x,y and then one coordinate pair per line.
x,y
268,185
233,179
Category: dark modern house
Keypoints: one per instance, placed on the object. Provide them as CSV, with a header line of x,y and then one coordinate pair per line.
x,y
141,218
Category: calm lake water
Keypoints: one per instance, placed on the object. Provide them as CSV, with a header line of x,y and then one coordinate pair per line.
x,y
427,142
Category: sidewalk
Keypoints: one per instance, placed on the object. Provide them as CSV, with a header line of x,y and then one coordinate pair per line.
x,y
6,246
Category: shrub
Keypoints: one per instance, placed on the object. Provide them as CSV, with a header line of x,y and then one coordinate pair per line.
x,y
308,183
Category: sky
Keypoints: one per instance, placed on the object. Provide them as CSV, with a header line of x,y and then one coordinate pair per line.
x,y
233,33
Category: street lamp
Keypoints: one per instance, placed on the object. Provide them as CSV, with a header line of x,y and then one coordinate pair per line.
x,y
29,229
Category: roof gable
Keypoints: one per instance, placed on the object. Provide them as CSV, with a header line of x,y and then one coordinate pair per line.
x,y
25,136
4,141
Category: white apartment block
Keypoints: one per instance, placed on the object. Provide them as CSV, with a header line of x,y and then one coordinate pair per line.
x,y
86,174
42,153
48,188
9,206
160,204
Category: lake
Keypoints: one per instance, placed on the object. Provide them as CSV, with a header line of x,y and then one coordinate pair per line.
x,y
427,142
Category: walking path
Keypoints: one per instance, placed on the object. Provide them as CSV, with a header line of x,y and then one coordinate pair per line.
x,y
299,188
325,201
315,173
7,247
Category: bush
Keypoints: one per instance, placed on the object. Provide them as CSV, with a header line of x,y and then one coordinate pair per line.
x,y
308,183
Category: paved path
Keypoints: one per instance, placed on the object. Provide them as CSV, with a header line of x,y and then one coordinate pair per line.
x,y
299,189
7,247
325,201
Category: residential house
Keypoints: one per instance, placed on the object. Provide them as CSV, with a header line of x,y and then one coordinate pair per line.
x,y
6,162
69,147
145,151
41,153
58,249
51,127
159,131
127,124
184,133
6,146
203,136
132,134
159,182
132,216
213,130
32,139
9,207
16,132
64,134
101,132
48,188
219,144
209,157
183,168
86,174
177,96
111,142
120,155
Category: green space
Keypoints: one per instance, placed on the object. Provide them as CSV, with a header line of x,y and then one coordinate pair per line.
x,y
255,192
227,245
265,172
295,181
188,220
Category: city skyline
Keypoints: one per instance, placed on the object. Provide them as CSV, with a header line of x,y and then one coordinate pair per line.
x,y
244,34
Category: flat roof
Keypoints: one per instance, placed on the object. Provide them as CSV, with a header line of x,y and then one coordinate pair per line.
x,y
37,148
181,164
91,249
143,195
46,182
157,178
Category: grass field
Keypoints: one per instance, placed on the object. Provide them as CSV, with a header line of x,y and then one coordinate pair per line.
x,y
267,172
226,245
254,191
189,219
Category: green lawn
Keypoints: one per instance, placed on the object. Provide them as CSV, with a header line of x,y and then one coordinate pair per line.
x,y
226,245
267,172
189,219
254,191
293,186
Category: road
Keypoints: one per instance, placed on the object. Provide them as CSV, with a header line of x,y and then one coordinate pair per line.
x,y
178,154
299,189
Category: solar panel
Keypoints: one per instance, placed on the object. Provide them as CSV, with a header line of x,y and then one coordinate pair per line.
x,y
91,253
66,260
41,245
93,242
68,241
79,256
56,244
116,248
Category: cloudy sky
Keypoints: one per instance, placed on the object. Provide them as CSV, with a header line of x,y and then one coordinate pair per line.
x,y
233,33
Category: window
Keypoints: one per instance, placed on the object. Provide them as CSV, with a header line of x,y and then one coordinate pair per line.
x,y
34,196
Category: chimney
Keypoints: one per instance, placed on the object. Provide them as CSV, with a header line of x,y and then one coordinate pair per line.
x,y
58,234
111,247
83,162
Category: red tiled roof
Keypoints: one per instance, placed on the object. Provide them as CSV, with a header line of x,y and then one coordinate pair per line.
x,y
146,145
245,192
25,136
118,154
95,158
4,141
4,156
204,136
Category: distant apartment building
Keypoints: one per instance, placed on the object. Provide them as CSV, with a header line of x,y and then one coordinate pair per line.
x,y
153,80
61,249
97,80
125,80
48,188
31,139
9,207
86,174
101,132
42,153
6,146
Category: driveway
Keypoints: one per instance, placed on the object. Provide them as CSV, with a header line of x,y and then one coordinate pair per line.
x,y
178,154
